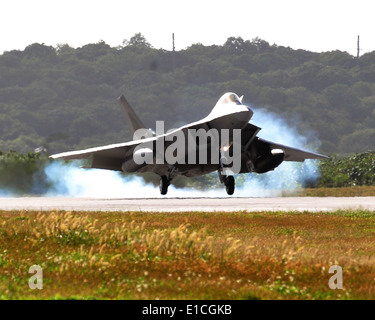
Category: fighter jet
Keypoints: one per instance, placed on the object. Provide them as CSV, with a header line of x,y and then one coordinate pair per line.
x,y
230,138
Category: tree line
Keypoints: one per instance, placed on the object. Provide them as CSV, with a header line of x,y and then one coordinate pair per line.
x,y
64,98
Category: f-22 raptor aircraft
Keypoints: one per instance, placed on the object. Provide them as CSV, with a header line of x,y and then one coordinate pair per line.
x,y
149,152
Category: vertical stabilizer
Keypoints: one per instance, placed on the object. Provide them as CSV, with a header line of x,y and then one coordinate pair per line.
x,y
131,117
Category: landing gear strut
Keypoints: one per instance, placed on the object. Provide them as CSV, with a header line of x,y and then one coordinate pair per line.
x,y
163,185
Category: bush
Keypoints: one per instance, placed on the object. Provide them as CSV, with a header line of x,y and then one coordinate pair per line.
x,y
355,170
23,173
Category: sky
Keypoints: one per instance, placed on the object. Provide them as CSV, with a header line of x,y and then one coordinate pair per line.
x,y
314,25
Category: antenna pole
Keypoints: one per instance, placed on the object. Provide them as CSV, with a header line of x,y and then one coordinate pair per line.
x,y
173,54
358,48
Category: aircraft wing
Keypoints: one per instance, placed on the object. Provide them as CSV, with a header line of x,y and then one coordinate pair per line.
x,y
293,154
112,156
105,157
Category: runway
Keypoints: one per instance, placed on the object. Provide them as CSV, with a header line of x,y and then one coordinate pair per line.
x,y
313,204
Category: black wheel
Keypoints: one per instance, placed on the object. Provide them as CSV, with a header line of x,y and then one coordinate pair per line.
x,y
163,185
229,185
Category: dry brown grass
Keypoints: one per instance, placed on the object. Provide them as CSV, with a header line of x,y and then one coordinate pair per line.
x,y
191,255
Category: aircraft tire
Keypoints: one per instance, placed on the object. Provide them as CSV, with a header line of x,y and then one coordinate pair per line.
x,y
163,185
229,185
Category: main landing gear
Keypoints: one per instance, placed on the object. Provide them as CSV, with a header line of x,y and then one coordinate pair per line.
x,y
228,182
164,184
229,185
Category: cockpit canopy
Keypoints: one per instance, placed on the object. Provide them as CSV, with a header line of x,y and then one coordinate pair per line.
x,y
230,97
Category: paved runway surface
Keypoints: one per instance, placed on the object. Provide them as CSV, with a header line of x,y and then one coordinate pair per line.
x,y
189,204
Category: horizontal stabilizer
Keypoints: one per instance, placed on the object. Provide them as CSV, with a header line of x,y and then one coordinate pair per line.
x,y
294,154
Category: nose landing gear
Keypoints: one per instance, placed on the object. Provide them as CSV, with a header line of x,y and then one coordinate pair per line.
x,y
165,180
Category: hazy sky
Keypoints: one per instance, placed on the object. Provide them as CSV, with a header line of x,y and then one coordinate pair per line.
x,y
315,25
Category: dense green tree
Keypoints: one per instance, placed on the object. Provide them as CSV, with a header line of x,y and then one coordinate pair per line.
x,y
138,40
235,45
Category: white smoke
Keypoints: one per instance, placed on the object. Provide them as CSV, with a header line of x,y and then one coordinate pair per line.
x,y
5,193
289,176
72,181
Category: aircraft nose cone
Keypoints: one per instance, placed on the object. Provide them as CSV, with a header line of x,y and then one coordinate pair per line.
x,y
240,119
247,113
251,112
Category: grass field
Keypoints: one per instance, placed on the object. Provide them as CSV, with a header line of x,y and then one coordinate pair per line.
x,y
192,255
